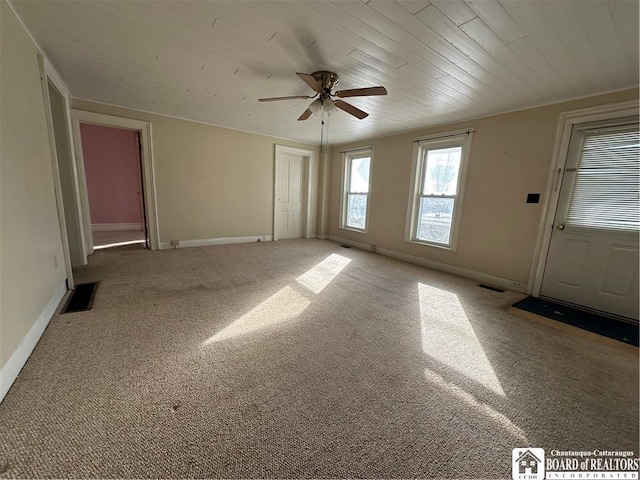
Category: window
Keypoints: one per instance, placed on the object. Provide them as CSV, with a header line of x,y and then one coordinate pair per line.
x,y
355,201
606,184
440,164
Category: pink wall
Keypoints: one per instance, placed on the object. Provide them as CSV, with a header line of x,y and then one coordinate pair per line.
x,y
112,168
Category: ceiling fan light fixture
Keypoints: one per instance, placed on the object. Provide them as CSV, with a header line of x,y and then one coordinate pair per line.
x,y
329,106
320,105
316,106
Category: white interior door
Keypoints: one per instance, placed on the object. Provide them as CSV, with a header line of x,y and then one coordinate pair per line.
x,y
290,196
593,254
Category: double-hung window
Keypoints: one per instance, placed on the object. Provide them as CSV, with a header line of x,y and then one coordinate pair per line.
x,y
437,185
355,198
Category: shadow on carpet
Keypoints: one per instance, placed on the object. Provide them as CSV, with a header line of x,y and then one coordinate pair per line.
x,y
608,327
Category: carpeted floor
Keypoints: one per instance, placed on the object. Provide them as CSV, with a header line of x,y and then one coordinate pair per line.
x,y
303,359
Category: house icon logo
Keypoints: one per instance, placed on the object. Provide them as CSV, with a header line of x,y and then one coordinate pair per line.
x,y
528,463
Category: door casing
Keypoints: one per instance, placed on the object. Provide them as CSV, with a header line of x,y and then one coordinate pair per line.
x,y
63,141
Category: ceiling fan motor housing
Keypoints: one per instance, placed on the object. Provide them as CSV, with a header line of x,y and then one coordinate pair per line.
x,y
327,81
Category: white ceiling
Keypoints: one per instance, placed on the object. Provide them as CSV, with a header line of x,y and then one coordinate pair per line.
x,y
440,60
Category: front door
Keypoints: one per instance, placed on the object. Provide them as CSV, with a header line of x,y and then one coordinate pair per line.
x,y
593,254
290,195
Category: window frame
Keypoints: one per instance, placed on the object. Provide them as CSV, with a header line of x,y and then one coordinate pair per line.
x,y
347,157
461,138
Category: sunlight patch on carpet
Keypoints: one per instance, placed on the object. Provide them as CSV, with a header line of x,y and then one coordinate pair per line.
x,y
318,277
282,306
474,403
448,337
286,304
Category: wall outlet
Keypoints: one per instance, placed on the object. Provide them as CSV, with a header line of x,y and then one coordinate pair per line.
x,y
175,243
55,261
517,284
374,248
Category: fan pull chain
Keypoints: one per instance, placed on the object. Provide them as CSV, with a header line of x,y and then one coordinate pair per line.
x,y
327,142
323,147
321,130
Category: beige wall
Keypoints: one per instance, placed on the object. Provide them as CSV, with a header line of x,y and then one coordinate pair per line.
x,y
211,182
510,157
30,242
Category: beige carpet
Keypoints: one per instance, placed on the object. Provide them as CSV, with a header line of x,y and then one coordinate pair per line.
x,y
303,359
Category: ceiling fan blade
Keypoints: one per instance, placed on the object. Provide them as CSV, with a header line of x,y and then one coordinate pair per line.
x,y
356,112
361,92
307,113
311,81
274,99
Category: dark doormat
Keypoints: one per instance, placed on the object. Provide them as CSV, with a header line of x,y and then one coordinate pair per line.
x,y
81,298
608,327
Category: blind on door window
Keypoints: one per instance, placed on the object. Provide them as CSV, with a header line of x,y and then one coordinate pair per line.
x,y
606,193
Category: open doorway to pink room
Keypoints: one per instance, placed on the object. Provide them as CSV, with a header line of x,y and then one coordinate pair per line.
x,y
112,163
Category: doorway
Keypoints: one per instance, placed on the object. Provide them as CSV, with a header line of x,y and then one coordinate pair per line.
x,y
593,253
58,119
589,255
113,171
138,135
292,214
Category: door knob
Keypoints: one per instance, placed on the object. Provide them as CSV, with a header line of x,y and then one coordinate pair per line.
x,y
560,227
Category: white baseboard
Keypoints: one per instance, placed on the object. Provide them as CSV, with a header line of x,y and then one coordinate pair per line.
x,y
115,227
443,267
322,237
217,241
12,368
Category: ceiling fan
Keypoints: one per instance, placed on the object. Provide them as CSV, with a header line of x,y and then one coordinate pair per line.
x,y
322,83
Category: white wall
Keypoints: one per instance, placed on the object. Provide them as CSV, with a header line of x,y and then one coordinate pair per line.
x,y
32,271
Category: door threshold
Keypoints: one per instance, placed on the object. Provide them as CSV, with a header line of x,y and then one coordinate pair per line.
x,y
622,331
593,311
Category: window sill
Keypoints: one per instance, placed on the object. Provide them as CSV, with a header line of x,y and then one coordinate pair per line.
x,y
352,229
450,248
